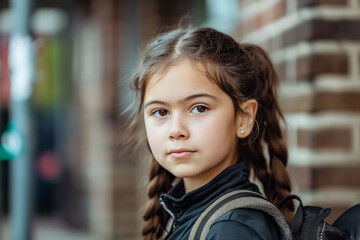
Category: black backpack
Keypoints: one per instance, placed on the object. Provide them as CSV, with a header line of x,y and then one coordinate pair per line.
x,y
308,223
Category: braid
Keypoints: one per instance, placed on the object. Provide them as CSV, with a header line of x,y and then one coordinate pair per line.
x,y
279,185
155,216
273,175
279,179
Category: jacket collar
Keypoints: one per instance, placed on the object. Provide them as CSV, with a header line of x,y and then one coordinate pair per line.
x,y
183,206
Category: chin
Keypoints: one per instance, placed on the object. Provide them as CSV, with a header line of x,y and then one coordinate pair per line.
x,y
183,173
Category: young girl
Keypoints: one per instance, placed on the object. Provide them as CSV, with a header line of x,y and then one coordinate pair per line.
x,y
211,115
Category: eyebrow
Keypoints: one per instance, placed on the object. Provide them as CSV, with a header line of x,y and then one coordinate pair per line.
x,y
188,98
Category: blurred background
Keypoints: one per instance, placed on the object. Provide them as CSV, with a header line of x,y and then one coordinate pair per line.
x,y
65,68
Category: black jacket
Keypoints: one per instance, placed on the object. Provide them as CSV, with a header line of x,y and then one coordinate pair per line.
x,y
244,224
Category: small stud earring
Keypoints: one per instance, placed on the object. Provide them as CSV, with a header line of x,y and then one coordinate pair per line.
x,y
242,131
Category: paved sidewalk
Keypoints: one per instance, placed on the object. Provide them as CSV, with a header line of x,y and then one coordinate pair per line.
x,y
49,229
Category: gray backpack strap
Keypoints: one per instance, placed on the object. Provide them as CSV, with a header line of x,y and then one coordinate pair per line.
x,y
235,200
167,229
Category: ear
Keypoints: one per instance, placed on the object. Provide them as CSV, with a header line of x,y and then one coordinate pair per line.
x,y
246,118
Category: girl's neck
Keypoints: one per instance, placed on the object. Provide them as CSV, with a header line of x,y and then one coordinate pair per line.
x,y
193,183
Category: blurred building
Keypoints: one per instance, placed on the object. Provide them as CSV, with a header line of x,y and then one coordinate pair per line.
x,y
86,53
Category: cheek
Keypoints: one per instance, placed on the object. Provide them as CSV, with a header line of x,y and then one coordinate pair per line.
x,y
150,134
155,138
218,135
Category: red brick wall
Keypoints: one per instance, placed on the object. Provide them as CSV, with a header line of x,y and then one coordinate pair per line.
x,y
315,46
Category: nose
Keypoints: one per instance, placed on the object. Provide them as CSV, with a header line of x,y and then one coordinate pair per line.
x,y
178,129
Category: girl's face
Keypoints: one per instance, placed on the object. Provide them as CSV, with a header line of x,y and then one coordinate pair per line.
x,y
191,125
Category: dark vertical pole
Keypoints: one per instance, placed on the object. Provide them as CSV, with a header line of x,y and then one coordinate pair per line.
x,y
0,201
1,190
21,56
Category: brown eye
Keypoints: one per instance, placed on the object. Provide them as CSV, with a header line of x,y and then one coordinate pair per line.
x,y
161,113
199,109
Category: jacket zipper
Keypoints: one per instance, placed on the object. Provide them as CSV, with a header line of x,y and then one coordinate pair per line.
x,y
163,204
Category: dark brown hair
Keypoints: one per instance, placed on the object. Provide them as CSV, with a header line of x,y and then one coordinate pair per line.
x,y
243,71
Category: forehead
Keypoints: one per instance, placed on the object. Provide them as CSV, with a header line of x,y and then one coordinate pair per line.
x,y
184,75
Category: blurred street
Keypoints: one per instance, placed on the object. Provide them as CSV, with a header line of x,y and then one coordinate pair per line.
x,y
47,228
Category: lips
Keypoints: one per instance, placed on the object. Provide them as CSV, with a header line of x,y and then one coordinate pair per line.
x,y
180,153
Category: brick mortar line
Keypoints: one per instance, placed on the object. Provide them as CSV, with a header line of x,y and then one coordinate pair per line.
x,y
289,21
309,89
292,140
303,49
354,65
338,84
300,89
291,71
347,196
323,120
330,83
356,139
309,157
319,157
354,4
